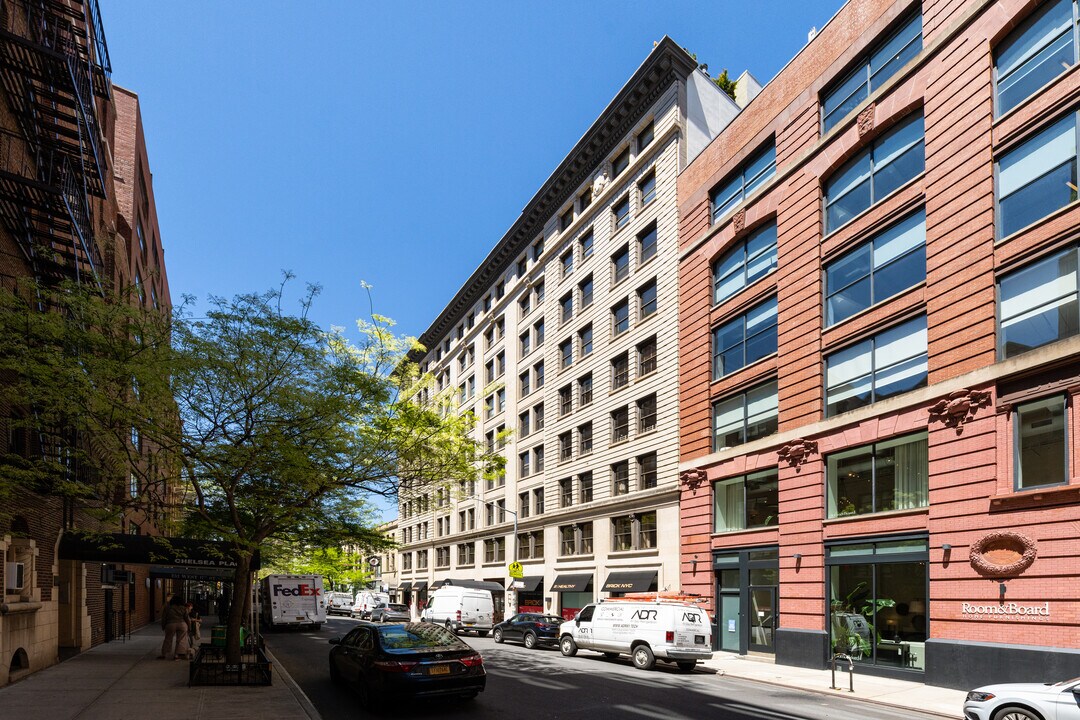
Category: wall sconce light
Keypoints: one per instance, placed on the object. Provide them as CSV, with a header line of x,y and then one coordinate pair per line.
x,y
797,556
1001,590
693,565
946,547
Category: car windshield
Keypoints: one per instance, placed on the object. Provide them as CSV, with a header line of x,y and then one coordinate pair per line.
x,y
1067,682
416,636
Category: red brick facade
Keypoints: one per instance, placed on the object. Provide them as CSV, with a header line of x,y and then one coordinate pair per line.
x,y
970,463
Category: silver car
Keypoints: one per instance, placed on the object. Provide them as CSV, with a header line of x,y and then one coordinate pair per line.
x,y
390,612
1025,701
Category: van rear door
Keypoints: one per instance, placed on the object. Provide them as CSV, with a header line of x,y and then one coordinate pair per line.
x,y
692,628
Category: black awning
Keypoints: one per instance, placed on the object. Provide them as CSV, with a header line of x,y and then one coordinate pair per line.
x,y
630,581
406,586
420,585
531,584
183,573
572,583
474,584
149,550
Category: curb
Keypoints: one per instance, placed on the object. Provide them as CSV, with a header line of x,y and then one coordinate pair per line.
x,y
831,693
301,697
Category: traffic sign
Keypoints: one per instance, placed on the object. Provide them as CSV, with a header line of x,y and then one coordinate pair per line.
x,y
516,571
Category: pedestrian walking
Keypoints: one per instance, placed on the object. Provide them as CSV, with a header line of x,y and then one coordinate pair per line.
x,y
194,628
174,621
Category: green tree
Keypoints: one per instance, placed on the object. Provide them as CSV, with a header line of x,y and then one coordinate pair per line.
x,y
725,83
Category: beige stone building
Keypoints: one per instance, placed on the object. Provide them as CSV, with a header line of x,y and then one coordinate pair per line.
x,y
564,345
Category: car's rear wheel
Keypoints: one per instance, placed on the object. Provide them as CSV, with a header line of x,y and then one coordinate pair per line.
x,y
530,640
686,665
1016,713
644,658
568,646
497,635
450,626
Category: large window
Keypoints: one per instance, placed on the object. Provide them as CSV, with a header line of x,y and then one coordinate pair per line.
x,y
495,550
1044,47
882,63
747,501
877,601
1042,455
890,363
891,262
1038,177
745,417
633,532
889,475
749,260
890,161
744,340
1038,304
576,539
748,178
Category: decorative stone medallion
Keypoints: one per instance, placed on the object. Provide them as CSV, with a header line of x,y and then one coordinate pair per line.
x,y
797,451
739,221
693,479
1002,553
866,120
959,406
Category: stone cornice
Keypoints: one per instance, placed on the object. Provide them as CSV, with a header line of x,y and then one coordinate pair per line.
x,y
665,64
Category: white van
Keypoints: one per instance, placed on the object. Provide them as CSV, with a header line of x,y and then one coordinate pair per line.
x,y
461,608
339,602
366,601
287,600
675,632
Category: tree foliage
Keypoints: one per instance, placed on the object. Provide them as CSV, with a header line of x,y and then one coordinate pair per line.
x,y
725,83
272,431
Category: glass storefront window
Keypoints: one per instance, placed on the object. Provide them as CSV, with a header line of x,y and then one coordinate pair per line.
x,y
890,475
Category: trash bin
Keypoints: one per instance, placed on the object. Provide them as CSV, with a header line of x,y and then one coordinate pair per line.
x,y
217,638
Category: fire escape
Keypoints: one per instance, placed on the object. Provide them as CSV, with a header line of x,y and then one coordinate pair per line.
x,y
53,64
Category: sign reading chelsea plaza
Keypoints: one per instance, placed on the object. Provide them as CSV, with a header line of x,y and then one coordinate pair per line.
x,y
1006,611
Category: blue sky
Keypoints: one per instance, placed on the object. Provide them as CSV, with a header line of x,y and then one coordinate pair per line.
x,y
389,142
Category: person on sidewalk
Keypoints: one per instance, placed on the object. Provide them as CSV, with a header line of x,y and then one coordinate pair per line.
x,y
174,621
194,629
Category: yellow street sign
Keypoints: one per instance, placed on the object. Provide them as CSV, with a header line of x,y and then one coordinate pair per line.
x,y
516,571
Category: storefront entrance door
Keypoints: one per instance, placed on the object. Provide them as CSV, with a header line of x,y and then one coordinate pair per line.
x,y
746,600
728,631
762,618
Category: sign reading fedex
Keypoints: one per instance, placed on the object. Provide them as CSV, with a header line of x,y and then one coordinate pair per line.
x,y
300,590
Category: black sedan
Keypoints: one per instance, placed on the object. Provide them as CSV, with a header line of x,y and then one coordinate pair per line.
x,y
414,660
532,629
390,612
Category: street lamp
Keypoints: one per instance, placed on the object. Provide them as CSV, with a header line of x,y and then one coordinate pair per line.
x,y
515,532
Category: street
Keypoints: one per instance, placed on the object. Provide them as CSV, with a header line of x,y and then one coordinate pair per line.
x,y
544,684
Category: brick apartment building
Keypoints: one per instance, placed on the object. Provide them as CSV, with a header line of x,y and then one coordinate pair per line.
x,y
76,202
879,345
563,345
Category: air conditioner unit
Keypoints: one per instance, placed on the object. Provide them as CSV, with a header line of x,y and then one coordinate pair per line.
x,y
14,576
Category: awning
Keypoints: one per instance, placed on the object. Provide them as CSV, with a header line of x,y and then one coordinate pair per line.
x,y
183,573
630,581
572,583
420,585
530,583
149,550
406,586
475,584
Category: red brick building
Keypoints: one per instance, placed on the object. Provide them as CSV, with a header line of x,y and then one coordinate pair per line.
x,y
76,203
878,348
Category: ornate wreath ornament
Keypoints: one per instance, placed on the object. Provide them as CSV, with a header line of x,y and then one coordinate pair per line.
x,y
739,221
797,451
693,479
1003,553
959,406
865,121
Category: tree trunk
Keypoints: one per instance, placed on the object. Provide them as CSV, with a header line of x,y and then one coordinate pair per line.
x,y
238,607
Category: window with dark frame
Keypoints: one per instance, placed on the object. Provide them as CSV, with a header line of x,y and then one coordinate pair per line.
x,y
645,137
585,199
882,62
620,317
566,446
745,339
888,364
1041,443
620,162
751,175
620,425
647,189
1039,304
887,475
538,374
566,401
1030,57
1037,177
647,245
620,265
585,290
647,300
585,487
566,308
646,471
538,500
746,416
621,212
646,357
538,459
749,260
525,383
566,492
646,412
566,260
586,245
620,478
585,439
888,163
567,218
585,340
585,390
620,371
746,502
566,353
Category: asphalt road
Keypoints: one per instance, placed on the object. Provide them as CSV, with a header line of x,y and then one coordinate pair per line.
x,y
542,684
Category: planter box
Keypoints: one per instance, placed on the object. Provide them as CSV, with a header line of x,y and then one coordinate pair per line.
x,y
209,668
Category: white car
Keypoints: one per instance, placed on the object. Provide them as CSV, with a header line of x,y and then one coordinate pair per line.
x,y
1025,701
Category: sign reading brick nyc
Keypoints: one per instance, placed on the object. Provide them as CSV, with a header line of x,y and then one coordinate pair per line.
x,y
1006,611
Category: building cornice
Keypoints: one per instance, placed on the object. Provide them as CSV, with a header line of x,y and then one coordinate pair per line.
x,y
665,64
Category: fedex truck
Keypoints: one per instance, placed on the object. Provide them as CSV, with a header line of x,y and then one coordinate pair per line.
x,y
292,600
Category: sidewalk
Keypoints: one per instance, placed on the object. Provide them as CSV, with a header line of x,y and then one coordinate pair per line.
x,y
122,680
882,691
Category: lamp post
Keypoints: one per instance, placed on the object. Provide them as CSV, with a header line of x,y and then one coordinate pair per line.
x,y
512,512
